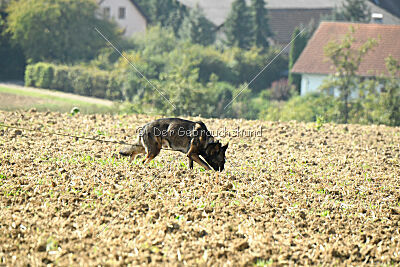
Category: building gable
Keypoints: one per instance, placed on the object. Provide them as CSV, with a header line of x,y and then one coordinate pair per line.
x,y
313,60
126,13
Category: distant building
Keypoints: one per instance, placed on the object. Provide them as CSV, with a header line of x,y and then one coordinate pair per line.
x,y
392,6
126,13
314,67
286,15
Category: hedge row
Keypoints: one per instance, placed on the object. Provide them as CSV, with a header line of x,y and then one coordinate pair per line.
x,y
74,79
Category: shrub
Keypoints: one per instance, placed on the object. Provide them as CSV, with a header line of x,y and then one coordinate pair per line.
x,y
80,81
99,83
247,64
281,90
303,108
114,88
219,94
75,79
29,75
61,81
44,75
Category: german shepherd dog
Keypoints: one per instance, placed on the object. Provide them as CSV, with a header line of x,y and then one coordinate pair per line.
x,y
191,138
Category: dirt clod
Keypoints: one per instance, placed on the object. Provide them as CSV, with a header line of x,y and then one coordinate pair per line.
x,y
242,246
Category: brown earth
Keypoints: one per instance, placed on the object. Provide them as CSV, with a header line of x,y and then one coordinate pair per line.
x,y
295,195
11,101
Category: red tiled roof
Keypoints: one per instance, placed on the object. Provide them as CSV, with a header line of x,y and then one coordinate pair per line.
x,y
313,60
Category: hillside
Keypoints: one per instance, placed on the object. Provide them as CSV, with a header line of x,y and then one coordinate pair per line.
x,y
298,194
16,97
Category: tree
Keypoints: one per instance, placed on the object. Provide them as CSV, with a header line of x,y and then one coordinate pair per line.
x,y
238,25
161,11
58,30
177,16
11,67
167,13
354,11
261,30
391,92
196,28
346,60
3,4
299,42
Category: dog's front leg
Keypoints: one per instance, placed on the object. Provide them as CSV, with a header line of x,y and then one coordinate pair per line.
x,y
196,158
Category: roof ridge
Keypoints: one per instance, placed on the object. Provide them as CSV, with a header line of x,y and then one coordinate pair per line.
x,y
139,8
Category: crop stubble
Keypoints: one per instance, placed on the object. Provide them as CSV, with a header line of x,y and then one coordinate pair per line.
x,y
332,196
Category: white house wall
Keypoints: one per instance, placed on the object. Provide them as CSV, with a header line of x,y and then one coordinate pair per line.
x,y
134,22
310,83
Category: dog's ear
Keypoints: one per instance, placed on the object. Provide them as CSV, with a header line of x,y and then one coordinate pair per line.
x,y
211,149
218,146
225,147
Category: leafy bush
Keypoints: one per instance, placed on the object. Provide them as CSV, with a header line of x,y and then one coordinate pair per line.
x,y
156,41
303,108
247,64
40,75
198,80
114,88
159,51
29,75
61,80
281,90
45,75
99,84
76,79
79,80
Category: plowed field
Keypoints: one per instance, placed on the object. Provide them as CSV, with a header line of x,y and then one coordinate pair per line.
x,y
298,194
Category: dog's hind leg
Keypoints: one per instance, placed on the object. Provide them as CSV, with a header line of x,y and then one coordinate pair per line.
x,y
137,151
190,163
150,156
134,155
152,152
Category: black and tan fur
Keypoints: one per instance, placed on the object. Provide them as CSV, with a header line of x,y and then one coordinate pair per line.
x,y
191,138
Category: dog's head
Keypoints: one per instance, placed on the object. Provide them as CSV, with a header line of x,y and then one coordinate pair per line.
x,y
215,155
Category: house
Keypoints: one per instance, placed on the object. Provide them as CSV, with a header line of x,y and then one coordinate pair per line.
x,y
126,13
392,6
314,67
286,15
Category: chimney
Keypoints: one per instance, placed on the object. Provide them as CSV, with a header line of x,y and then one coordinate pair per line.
x,y
377,18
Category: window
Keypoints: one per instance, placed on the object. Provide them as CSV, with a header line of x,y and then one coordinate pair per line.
x,y
121,13
377,18
107,12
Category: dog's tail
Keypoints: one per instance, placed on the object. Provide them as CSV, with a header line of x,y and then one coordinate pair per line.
x,y
130,150
127,150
